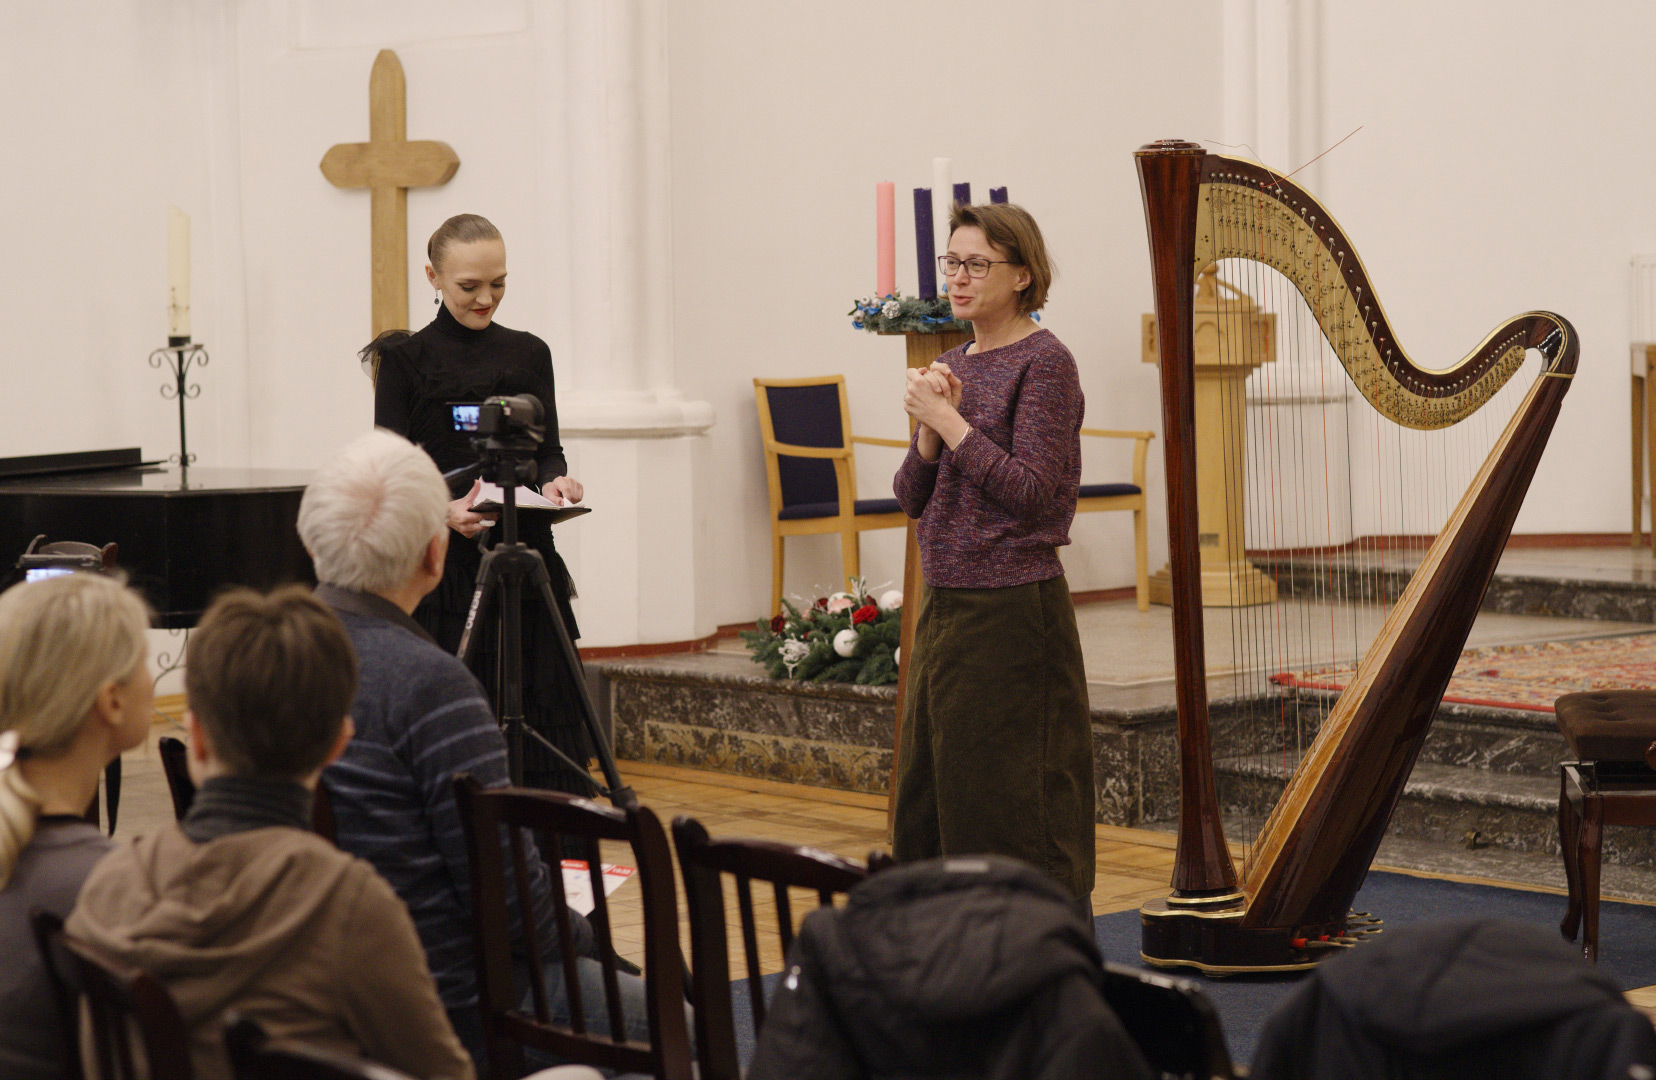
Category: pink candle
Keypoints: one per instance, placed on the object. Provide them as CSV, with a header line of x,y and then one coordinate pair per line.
x,y
885,228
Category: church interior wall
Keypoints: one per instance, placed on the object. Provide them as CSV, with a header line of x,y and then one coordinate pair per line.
x,y
784,120
1494,173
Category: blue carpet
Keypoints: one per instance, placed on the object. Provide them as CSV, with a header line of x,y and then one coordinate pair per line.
x,y
1627,947
1627,941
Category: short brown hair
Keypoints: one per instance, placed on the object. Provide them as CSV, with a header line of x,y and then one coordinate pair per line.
x,y
271,678
1013,232
459,229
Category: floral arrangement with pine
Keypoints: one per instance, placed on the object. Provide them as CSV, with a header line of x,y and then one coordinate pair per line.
x,y
899,314
848,637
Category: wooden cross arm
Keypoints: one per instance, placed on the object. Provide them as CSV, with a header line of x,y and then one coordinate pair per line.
x,y
414,164
871,441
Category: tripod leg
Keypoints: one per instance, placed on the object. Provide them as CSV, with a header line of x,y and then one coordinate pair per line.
x,y
481,596
620,795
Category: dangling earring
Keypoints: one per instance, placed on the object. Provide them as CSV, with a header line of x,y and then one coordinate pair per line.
x,y
438,299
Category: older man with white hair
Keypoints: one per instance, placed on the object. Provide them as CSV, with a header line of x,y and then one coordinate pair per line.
x,y
375,523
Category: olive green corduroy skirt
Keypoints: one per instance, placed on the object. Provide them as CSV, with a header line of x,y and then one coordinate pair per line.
x,y
995,751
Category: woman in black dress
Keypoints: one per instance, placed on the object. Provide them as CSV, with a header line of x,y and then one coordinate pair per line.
x,y
463,355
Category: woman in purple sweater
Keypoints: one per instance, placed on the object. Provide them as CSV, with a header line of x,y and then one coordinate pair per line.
x,y
996,746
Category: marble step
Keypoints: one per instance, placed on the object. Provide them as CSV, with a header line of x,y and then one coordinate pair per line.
x,y
1474,736
1446,805
1509,593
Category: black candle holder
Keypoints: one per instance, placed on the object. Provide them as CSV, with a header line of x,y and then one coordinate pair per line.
x,y
177,357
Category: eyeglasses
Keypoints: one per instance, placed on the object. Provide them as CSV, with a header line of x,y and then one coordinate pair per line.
x,y
948,266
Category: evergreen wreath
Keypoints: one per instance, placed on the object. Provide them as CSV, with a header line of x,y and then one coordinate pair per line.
x,y
899,314
846,637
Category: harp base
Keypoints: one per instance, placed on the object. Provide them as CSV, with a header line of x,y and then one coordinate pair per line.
x,y
1214,941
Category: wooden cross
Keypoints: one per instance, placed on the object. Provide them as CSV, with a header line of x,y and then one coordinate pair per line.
x,y
388,165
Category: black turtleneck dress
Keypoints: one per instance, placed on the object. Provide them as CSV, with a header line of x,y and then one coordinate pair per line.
x,y
420,376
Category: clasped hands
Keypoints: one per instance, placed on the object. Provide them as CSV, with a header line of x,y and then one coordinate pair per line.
x,y
932,397
463,520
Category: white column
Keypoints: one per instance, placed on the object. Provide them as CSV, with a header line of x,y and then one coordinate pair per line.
x,y
633,438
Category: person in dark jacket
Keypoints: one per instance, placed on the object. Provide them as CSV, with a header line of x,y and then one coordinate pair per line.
x,y
1462,998
977,966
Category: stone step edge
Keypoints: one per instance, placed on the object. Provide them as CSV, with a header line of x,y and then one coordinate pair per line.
x,y
1432,782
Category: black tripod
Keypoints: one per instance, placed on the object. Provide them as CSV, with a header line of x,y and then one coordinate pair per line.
x,y
501,578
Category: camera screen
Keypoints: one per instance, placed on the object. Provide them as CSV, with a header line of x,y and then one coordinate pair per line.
x,y
41,573
465,417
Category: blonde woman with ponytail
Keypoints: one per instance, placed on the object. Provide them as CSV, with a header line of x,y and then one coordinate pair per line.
x,y
75,691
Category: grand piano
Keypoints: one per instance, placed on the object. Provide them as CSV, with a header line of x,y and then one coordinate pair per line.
x,y
183,534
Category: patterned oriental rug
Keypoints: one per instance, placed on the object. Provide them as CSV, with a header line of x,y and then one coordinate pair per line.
x,y
1525,676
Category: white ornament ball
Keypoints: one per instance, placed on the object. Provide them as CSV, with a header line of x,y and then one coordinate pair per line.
x,y
897,655
845,642
891,600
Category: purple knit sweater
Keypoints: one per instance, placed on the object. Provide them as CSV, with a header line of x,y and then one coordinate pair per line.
x,y
994,510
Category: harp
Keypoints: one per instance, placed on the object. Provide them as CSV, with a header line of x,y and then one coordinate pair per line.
x,y
1292,906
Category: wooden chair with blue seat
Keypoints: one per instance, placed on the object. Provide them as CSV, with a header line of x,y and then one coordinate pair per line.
x,y
1094,497
812,471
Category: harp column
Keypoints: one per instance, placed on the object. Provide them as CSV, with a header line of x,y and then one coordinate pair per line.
x,y
1232,339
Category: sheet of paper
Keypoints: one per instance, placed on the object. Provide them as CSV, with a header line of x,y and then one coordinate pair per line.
x,y
578,882
491,493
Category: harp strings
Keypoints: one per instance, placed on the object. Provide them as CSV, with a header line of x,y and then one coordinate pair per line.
x,y
1335,502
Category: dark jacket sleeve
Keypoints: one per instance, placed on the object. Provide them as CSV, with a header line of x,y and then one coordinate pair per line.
x,y
394,391
459,734
551,459
802,1038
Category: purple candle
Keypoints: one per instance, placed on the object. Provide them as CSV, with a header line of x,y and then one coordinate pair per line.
x,y
997,194
963,194
925,248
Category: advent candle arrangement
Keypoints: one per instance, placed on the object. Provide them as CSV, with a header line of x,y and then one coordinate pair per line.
x,y
929,217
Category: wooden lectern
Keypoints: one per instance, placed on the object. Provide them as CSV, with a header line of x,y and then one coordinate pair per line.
x,y
1232,339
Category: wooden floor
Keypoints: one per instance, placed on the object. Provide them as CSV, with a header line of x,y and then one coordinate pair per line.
x,y
1133,865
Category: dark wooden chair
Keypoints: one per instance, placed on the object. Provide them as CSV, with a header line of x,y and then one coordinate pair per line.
x,y
1611,781
182,789
136,1030
553,817
174,764
1172,1021
703,861
253,1057
48,935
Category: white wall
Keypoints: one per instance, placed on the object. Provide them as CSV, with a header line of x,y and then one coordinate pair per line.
x,y
1501,168
785,116
1493,174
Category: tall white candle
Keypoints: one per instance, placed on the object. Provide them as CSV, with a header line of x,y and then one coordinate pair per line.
x,y
942,204
178,273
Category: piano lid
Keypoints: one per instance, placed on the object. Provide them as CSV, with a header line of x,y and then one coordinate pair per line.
x,y
183,534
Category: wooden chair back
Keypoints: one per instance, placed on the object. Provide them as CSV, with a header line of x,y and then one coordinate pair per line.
x,y
136,1030
702,862
252,1057
174,764
1172,1021
806,428
553,818
48,934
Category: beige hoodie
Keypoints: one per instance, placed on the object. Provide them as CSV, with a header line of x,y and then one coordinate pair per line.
x,y
279,925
